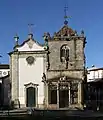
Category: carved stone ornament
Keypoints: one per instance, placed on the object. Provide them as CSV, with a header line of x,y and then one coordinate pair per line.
x,y
30,60
65,31
30,43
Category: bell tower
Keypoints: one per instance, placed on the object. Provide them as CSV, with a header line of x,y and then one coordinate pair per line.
x,y
65,67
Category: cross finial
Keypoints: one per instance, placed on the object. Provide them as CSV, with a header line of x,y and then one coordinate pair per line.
x,y
16,37
65,11
30,28
65,15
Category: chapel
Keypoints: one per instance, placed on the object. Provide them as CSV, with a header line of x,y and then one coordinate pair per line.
x,y
27,65
49,75
65,68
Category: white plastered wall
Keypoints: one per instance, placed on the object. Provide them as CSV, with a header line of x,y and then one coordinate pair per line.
x,y
35,47
95,74
31,73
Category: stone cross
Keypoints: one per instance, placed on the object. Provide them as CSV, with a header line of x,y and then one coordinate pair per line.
x,y
30,27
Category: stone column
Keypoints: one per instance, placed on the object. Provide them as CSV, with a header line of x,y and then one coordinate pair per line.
x,y
57,95
80,94
46,97
69,94
36,96
25,96
15,79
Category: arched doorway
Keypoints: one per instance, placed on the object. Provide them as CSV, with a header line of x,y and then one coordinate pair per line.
x,y
31,97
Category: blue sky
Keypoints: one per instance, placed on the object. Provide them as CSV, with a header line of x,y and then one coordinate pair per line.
x,y
47,16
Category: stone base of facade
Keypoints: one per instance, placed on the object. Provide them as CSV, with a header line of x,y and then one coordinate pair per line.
x,y
77,107
52,106
40,106
72,107
15,104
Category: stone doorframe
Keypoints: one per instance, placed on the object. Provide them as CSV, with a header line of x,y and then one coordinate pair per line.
x,y
58,95
36,91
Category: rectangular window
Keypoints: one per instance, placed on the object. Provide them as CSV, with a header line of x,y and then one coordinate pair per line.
x,y
74,93
52,94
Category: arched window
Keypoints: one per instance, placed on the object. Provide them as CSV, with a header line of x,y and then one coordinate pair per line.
x,y
64,53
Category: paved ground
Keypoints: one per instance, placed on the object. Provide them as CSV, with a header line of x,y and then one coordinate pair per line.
x,y
49,113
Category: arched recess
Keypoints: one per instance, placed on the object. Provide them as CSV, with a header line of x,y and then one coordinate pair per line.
x,y
64,53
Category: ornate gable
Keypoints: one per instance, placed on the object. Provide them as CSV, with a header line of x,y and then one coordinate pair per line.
x,y
65,31
30,45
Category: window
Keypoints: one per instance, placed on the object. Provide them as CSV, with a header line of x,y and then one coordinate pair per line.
x,y
52,96
64,53
74,93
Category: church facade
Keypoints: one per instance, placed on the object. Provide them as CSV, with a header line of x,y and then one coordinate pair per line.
x,y
65,69
27,65
50,75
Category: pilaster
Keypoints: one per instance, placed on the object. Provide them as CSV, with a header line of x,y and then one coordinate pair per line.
x,y
69,94
15,76
36,96
57,95
80,94
46,95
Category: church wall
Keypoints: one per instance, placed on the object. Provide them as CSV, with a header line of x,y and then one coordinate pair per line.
x,y
80,60
79,50
54,56
76,60
71,74
31,73
14,76
72,68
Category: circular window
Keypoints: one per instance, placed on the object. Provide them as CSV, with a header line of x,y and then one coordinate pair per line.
x,y
30,60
